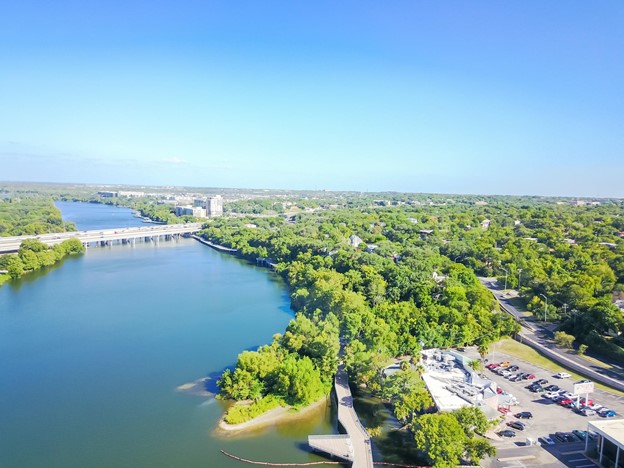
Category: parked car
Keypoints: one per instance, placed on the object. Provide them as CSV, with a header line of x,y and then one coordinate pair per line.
x,y
562,375
596,407
507,433
530,376
499,390
546,440
505,364
566,437
584,381
580,434
565,402
560,436
492,366
588,412
542,381
572,437
552,388
536,388
524,415
517,425
550,395
513,368
607,414
586,402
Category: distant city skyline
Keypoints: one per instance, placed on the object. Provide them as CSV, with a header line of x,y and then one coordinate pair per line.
x,y
446,97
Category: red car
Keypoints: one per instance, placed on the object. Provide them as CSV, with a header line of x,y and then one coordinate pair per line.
x,y
530,376
586,403
492,366
499,390
565,402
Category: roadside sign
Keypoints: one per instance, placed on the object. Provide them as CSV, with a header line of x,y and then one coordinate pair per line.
x,y
583,388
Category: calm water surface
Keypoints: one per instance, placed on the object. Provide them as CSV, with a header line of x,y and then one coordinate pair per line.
x,y
92,350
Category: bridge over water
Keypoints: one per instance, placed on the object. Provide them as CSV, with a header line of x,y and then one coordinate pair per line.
x,y
106,236
355,445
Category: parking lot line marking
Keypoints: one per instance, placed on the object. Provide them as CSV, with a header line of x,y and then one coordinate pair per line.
x,y
577,460
585,466
573,452
520,457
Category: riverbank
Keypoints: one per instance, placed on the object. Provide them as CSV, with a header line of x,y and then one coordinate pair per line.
x,y
214,246
276,415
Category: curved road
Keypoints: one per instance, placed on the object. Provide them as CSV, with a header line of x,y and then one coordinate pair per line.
x,y
539,339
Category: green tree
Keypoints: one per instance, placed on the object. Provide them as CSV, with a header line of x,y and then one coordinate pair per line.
x,y
434,433
564,340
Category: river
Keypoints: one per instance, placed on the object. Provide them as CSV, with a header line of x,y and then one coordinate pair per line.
x,y
92,350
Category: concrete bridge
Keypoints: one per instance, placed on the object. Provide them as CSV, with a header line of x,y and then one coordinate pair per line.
x,y
106,236
355,446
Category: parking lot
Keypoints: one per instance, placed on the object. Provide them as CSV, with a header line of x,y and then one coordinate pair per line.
x,y
548,418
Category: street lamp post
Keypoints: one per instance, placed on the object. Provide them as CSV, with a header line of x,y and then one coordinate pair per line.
x,y
545,305
506,273
519,276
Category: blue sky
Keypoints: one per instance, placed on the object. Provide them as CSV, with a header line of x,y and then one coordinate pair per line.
x,y
454,96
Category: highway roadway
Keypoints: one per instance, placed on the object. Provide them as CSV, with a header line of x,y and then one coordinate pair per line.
x,y
540,339
11,244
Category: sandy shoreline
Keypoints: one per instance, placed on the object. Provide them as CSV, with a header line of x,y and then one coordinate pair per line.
x,y
279,414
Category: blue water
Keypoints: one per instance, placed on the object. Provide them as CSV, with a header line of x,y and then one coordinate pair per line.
x,y
91,353
89,216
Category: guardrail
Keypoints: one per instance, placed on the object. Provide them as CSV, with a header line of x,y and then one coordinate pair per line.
x,y
585,371
558,357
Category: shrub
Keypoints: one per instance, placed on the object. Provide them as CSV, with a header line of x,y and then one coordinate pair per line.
x,y
240,412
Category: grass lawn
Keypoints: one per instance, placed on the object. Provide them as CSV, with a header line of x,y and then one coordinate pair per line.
x,y
520,304
526,353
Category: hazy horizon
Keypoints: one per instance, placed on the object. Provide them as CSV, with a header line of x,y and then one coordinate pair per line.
x,y
485,98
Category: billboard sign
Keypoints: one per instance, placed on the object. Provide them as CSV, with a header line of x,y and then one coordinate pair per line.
x,y
581,388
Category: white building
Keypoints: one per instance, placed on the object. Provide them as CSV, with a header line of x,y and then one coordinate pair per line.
x,y
610,443
214,206
453,384
129,194
189,210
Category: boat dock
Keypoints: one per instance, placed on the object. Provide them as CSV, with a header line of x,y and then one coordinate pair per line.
x,y
354,446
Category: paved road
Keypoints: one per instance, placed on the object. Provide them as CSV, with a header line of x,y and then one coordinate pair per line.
x,y
540,338
360,440
11,244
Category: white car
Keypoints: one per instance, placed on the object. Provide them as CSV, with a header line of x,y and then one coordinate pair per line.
x,y
563,375
551,395
587,412
596,407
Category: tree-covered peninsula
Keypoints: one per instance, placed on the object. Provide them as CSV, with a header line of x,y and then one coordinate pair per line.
x,y
383,302
31,216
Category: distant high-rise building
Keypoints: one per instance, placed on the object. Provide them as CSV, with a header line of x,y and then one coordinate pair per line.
x,y
214,206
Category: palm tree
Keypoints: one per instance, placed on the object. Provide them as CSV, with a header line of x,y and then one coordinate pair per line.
x,y
476,365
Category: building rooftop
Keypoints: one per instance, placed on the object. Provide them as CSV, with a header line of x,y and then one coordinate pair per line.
x,y
611,428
